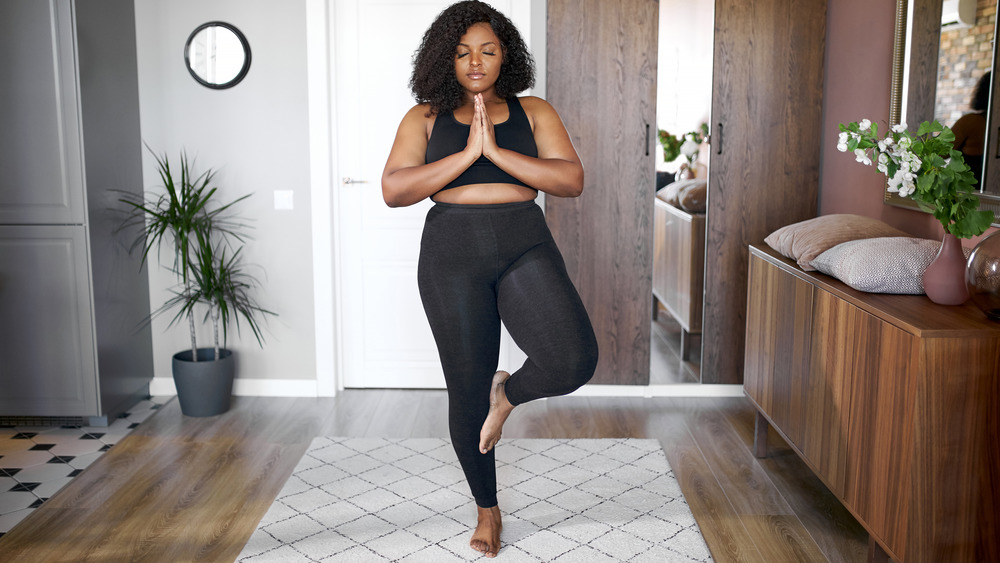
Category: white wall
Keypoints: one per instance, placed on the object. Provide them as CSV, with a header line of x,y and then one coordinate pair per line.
x,y
256,136
684,65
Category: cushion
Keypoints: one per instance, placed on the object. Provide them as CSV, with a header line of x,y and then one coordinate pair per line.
x,y
692,198
880,265
808,239
671,192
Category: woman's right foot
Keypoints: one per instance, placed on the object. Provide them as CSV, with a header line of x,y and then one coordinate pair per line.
x,y
500,409
486,538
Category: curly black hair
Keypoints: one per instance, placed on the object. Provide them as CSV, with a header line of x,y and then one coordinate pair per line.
x,y
433,80
980,100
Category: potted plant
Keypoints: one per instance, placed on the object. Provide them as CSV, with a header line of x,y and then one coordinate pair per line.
x,y
687,145
925,167
210,274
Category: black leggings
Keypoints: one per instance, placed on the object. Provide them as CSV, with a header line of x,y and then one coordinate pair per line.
x,y
480,264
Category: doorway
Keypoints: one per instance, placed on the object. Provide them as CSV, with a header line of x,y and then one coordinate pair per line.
x,y
385,341
683,105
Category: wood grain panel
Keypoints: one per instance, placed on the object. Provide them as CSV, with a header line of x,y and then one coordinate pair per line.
x,y
924,39
825,400
777,348
602,81
881,440
679,263
767,95
913,314
955,406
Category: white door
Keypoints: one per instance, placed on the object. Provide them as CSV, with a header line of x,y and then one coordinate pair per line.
x,y
386,339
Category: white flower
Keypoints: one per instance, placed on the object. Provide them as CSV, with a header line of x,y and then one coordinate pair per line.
x,y
899,128
865,125
842,147
862,157
904,142
894,183
883,163
689,148
843,137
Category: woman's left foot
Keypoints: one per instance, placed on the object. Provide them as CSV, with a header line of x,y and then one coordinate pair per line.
x,y
500,409
486,538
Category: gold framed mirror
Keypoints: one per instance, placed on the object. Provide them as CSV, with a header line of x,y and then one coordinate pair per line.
x,y
929,37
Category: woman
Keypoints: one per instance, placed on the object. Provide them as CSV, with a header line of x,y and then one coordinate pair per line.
x,y
970,129
482,154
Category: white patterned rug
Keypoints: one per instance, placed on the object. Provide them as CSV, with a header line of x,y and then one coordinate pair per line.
x,y
369,499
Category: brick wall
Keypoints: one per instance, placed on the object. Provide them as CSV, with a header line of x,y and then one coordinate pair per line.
x,y
965,54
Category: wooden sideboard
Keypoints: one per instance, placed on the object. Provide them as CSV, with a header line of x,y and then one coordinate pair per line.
x,y
893,401
679,268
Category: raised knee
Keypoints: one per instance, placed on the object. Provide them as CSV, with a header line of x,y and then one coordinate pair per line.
x,y
576,370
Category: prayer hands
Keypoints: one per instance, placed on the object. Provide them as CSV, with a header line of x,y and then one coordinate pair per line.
x,y
481,137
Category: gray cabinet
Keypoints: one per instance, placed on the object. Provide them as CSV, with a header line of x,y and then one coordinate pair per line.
x,y
72,300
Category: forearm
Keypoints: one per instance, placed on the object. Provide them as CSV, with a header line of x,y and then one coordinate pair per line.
x,y
555,176
406,186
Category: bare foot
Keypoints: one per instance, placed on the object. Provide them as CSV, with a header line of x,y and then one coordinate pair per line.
x,y
500,409
486,538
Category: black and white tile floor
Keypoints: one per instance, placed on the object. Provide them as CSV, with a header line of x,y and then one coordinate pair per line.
x,y
37,461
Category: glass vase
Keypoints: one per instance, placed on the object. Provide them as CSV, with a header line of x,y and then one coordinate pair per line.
x,y
944,279
983,276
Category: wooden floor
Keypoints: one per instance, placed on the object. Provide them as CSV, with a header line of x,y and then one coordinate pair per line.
x,y
666,365
189,489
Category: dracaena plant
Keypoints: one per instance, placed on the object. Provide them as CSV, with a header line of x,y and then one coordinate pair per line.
x,y
923,166
203,234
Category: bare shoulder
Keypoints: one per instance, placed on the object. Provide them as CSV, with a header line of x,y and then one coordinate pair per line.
x,y
539,112
533,105
418,118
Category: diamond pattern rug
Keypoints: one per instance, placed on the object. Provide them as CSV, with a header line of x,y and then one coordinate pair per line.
x,y
370,499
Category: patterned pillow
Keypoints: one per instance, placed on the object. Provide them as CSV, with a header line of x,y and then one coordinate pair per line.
x,y
880,265
671,193
807,239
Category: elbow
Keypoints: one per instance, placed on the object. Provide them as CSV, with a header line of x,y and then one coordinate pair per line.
x,y
390,199
392,194
575,186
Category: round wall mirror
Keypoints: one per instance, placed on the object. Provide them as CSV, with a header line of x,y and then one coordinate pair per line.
x,y
217,55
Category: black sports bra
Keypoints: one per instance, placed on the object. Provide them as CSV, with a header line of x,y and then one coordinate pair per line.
x,y
449,136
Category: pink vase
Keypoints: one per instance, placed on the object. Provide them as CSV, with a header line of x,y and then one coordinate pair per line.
x,y
944,279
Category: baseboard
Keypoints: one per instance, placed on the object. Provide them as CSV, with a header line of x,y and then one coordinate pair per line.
x,y
249,387
164,386
663,390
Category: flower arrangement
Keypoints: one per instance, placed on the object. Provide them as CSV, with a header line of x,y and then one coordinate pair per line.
x,y
686,145
923,166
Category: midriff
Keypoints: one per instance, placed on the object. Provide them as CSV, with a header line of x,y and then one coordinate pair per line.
x,y
478,194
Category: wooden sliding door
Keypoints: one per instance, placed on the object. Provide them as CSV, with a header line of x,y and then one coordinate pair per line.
x,y
602,80
767,95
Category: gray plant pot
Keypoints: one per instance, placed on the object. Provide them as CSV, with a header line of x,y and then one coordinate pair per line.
x,y
205,387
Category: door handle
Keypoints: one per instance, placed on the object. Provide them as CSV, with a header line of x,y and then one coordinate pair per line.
x,y
718,148
349,180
